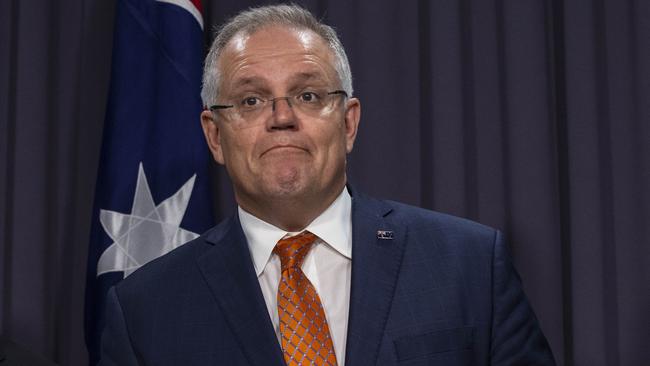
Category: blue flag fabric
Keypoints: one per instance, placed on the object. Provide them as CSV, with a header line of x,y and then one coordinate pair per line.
x,y
152,191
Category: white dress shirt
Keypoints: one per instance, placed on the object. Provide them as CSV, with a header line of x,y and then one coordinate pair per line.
x,y
328,264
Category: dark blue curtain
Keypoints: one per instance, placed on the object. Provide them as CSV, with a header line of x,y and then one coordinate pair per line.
x,y
527,115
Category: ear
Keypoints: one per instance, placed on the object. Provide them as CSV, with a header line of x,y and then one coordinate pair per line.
x,y
352,118
212,134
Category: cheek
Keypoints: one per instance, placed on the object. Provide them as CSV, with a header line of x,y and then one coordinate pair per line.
x,y
335,143
342,138
235,151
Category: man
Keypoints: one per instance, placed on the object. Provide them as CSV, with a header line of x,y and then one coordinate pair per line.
x,y
309,271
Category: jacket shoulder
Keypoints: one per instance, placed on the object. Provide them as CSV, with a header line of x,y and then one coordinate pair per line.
x,y
445,231
174,266
418,218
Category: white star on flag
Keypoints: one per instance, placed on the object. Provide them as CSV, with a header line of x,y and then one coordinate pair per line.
x,y
148,232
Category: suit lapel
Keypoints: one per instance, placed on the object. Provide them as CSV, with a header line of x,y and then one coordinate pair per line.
x,y
228,271
376,260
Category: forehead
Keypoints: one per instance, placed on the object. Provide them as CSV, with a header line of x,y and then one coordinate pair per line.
x,y
276,54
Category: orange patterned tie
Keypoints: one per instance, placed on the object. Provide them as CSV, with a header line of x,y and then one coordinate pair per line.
x,y
305,335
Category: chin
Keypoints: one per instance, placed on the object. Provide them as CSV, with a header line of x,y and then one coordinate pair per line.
x,y
286,188
286,181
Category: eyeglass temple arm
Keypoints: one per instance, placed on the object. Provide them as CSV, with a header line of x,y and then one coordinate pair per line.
x,y
215,107
339,92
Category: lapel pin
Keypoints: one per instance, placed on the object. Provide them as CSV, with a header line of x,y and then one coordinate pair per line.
x,y
384,234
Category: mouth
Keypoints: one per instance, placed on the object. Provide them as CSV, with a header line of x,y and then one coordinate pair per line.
x,y
284,149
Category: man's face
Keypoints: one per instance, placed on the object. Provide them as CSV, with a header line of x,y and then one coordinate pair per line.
x,y
283,155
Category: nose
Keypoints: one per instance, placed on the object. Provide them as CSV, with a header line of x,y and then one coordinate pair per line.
x,y
283,116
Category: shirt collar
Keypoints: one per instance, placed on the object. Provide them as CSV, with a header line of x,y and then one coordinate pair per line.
x,y
333,226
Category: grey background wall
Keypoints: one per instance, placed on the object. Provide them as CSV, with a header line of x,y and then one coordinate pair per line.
x,y
527,115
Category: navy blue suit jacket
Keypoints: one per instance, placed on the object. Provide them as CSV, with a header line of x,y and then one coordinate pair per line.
x,y
441,291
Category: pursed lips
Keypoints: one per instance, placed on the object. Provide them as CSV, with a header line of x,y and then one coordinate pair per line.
x,y
278,148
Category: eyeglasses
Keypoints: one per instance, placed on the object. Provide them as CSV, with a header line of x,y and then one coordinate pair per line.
x,y
247,110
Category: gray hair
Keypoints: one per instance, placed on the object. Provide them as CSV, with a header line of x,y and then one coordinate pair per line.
x,y
249,21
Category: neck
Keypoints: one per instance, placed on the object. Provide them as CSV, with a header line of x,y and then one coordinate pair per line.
x,y
292,213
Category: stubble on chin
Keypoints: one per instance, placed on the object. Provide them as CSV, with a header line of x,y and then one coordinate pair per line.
x,y
286,183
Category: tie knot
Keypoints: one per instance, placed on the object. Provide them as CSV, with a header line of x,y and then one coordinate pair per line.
x,y
293,250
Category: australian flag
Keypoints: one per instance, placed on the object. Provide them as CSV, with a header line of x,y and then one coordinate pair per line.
x,y
152,191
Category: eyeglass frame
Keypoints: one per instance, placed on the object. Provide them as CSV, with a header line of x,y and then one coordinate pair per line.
x,y
217,107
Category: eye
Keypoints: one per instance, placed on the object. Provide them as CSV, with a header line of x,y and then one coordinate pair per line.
x,y
308,97
250,102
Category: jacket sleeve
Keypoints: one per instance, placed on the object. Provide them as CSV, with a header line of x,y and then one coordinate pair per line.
x,y
116,348
516,336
